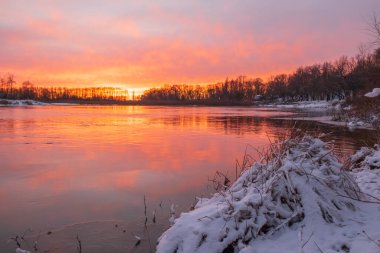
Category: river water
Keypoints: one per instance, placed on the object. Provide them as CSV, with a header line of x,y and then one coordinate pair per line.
x,y
68,171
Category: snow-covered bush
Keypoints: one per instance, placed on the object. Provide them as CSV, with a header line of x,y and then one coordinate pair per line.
x,y
297,198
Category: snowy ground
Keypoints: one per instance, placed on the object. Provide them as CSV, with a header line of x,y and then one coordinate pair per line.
x,y
315,105
8,102
298,199
334,106
26,102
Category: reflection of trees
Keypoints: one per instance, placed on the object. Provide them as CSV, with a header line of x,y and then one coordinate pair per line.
x,y
238,125
344,140
7,125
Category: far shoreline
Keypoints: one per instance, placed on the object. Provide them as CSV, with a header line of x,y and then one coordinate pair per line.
x,y
296,108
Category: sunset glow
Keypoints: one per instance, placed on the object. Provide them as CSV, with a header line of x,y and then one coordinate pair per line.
x,y
141,44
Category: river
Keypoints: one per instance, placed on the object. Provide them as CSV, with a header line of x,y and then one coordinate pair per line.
x,y
68,171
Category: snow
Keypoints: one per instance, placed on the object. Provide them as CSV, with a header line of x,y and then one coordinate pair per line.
x,y
298,199
27,102
19,250
354,124
320,104
172,214
366,171
374,93
369,123
7,102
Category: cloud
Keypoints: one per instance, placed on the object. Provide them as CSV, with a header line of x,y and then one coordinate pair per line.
x,y
143,43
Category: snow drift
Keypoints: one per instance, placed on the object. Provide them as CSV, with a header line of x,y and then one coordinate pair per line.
x,y
297,199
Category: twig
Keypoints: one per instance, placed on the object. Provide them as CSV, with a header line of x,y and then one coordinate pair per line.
x,y
360,200
205,217
304,244
318,247
372,240
138,238
25,232
79,246
145,225
16,240
146,217
154,216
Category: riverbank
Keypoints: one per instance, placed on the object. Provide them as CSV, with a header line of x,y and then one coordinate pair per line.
x,y
299,196
311,105
27,102
337,113
19,102
360,112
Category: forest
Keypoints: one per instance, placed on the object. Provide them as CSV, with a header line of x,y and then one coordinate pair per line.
x,y
346,77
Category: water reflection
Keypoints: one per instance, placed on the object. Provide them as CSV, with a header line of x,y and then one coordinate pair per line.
x,y
68,165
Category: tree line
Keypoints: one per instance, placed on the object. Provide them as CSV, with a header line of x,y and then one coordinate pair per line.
x,y
343,78
8,90
346,77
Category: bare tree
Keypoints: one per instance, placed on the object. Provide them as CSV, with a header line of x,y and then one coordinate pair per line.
x,y
27,89
2,82
374,28
10,82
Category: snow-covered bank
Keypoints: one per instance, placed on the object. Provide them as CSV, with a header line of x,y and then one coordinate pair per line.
x,y
298,199
340,114
366,171
8,102
320,104
27,102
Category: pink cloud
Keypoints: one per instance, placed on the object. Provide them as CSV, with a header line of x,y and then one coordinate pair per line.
x,y
142,44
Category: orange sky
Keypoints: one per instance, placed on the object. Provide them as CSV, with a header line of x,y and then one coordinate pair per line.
x,y
140,44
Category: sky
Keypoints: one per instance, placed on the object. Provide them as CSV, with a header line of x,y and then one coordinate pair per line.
x,y
140,44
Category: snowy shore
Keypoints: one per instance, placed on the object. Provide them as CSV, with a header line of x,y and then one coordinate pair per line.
x,y
20,102
339,115
300,198
27,102
313,105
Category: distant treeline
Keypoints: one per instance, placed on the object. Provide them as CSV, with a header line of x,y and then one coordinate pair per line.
x,y
27,90
346,77
343,78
